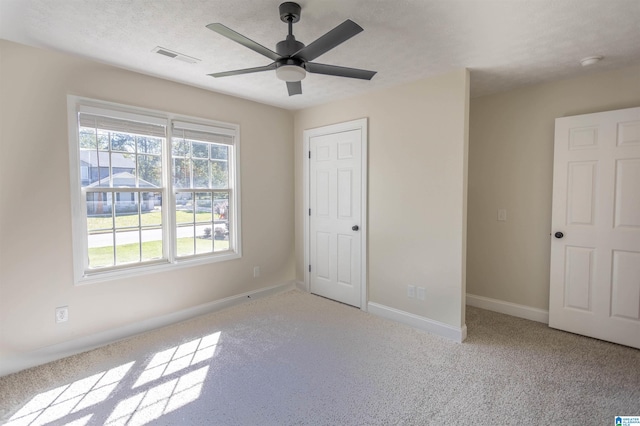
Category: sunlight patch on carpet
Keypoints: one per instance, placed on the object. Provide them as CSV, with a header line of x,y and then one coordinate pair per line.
x,y
71,398
170,380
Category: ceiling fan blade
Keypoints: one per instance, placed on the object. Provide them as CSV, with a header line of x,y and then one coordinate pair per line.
x,y
246,42
333,38
244,71
316,68
294,87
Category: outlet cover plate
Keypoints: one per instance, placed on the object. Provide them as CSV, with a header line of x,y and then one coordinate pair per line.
x,y
62,314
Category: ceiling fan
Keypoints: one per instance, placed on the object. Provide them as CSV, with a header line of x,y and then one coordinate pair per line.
x,y
292,59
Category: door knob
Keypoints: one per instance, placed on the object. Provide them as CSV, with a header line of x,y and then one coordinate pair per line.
x,y
558,235
355,227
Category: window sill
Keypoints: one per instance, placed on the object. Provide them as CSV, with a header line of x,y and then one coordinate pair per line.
x,y
153,268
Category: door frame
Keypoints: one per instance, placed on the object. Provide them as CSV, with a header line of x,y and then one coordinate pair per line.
x,y
362,125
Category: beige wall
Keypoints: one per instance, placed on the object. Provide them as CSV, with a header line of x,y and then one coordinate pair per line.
x,y
417,183
511,167
35,222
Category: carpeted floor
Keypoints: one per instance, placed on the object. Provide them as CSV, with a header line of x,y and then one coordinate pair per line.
x,y
298,359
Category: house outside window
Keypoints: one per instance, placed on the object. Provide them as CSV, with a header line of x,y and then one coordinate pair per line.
x,y
150,190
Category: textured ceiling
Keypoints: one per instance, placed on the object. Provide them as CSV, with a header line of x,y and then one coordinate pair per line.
x,y
505,43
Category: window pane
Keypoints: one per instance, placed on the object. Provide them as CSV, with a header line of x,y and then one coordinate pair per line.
x,y
127,210
149,171
221,221
204,244
203,207
200,173
186,240
200,149
102,256
103,140
127,247
99,167
151,244
181,173
87,138
149,145
98,211
123,142
184,207
219,174
180,147
221,206
151,209
219,152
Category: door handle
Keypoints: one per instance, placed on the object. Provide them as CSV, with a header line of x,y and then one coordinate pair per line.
x,y
355,227
558,235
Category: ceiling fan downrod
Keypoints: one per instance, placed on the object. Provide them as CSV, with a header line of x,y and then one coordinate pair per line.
x,y
290,14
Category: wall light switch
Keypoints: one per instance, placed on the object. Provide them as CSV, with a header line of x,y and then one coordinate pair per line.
x,y
502,215
422,292
411,291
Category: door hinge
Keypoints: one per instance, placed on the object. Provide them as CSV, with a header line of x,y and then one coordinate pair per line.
x,y
309,154
309,212
309,268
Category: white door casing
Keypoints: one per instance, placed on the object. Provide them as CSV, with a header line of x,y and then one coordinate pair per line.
x,y
595,264
335,204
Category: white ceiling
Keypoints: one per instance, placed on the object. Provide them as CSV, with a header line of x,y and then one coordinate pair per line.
x,y
505,43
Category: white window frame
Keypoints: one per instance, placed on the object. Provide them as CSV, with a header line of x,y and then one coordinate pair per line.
x,y
84,275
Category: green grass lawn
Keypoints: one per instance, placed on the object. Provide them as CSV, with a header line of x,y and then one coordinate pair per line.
x,y
150,218
128,253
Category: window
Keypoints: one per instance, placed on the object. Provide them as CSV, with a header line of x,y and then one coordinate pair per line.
x,y
150,190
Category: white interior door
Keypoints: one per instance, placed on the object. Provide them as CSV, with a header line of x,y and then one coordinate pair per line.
x,y
595,249
336,219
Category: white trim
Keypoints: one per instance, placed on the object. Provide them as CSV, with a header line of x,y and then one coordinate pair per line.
x,y
513,309
47,354
361,124
421,323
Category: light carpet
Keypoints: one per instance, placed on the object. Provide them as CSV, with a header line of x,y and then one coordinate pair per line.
x,y
298,359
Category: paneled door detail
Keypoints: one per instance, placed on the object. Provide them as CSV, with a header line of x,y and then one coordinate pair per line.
x,y
595,241
335,215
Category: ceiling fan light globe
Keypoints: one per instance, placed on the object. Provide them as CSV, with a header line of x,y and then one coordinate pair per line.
x,y
291,73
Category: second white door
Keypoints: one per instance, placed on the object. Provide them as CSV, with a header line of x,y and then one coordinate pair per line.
x,y
335,216
595,248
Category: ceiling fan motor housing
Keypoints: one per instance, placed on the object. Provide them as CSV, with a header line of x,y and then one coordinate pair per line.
x,y
289,46
290,10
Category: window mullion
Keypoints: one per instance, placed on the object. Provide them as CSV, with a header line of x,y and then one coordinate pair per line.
x,y
169,231
113,223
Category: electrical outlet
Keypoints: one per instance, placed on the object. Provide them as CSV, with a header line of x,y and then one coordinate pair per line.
x,y
422,292
62,314
411,291
502,215
256,271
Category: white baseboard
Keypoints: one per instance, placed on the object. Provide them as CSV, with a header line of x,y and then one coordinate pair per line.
x,y
431,326
513,309
300,285
47,354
